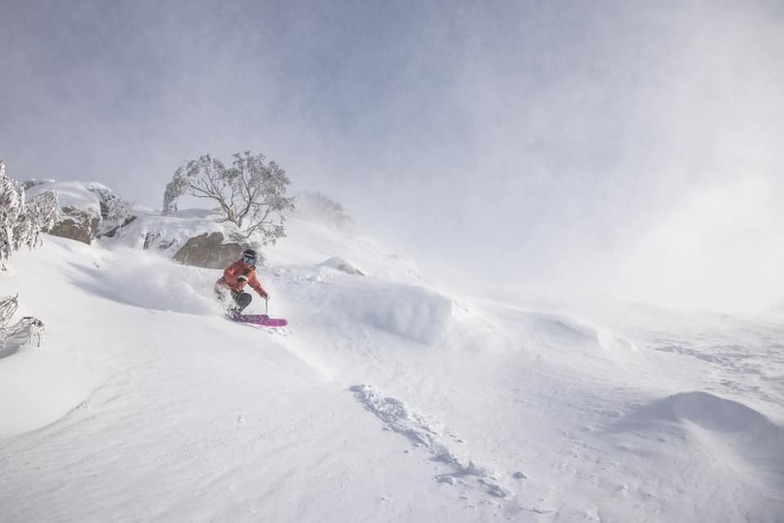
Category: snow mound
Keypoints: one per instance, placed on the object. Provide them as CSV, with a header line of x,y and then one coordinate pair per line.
x,y
558,337
566,331
420,430
708,412
408,311
142,279
339,264
737,435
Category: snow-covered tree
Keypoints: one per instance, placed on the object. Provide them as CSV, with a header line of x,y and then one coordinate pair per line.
x,y
314,205
21,222
22,331
115,211
113,207
251,194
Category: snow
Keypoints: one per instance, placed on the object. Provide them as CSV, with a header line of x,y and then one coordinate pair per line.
x,y
69,194
387,398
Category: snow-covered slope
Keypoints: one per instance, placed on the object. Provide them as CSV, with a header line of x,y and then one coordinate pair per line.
x,y
387,398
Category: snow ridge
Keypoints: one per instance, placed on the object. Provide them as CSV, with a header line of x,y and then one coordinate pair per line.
x,y
397,417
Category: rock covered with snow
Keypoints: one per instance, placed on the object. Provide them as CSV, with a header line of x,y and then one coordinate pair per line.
x,y
89,210
93,211
209,250
190,237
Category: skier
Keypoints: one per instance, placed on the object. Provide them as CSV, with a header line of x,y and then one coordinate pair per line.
x,y
235,277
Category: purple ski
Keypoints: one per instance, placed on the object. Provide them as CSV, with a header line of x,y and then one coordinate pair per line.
x,y
261,319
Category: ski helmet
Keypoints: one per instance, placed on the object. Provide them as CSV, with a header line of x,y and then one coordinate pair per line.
x,y
249,257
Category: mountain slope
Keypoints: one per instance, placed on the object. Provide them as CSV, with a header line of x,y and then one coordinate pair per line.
x,y
385,399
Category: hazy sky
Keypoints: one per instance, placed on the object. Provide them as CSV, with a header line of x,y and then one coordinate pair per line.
x,y
625,147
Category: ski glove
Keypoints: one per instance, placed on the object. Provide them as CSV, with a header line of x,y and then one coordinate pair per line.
x,y
265,295
242,278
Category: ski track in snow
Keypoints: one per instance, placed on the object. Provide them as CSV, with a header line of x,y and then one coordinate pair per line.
x,y
397,417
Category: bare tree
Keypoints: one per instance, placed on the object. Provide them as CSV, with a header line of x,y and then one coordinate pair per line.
x,y
251,194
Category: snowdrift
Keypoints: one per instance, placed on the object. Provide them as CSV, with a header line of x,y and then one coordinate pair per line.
x,y
728,430
407,311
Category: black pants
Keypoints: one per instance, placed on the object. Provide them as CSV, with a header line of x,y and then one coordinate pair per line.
x,y
235,302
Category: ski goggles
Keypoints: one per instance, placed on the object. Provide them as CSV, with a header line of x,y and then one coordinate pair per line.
x,y
249,260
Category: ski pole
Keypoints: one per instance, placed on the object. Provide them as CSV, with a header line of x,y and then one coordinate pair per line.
x,y
266,306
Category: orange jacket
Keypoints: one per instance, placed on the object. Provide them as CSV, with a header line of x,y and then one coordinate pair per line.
x,y
237,269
